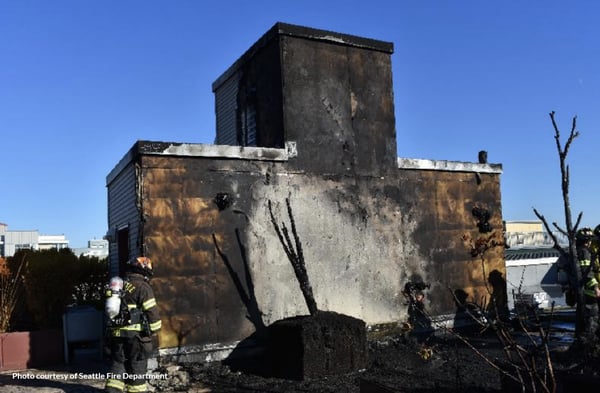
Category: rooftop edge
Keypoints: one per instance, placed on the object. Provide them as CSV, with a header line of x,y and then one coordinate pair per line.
x,y
452,166
285,29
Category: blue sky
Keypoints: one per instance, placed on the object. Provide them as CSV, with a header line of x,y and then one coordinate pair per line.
x,y
82,80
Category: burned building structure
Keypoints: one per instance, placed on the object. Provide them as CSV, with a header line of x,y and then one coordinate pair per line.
x,y
305,115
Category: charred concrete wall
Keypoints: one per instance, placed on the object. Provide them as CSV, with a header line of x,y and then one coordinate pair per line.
x,y
369,222
318,89
444,225
339,102
221,272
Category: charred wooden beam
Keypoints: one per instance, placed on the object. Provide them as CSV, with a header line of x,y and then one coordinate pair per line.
x,y
295,255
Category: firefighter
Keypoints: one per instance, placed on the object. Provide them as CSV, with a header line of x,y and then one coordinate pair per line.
x,y
595,250
132,334
591,291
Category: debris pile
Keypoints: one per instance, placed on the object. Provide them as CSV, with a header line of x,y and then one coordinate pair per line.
x,y
317,345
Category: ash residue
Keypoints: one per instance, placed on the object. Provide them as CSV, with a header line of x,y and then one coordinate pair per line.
x,y
396,364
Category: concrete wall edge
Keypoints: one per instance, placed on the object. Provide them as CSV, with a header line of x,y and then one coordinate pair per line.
x,y
203,150
451,166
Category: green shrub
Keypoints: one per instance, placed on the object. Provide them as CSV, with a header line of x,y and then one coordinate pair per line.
x,y
54,279
91,276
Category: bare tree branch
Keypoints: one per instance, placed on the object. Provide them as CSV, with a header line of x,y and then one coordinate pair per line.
x,y
555,225
579,216
551,234
570,230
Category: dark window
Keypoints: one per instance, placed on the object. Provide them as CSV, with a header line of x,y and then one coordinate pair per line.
x,y
123,249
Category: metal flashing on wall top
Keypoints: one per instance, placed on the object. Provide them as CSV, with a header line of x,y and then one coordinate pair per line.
x,y
212,151
450,166
201,150
333,37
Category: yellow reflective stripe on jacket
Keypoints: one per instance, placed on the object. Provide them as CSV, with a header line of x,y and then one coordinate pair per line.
x,y
584,262
148,304
135,327
137,388
155,325
588,288
115,383
591,283
117,332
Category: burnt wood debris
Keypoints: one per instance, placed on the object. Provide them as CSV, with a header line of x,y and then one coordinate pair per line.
x,y
295,255
322,343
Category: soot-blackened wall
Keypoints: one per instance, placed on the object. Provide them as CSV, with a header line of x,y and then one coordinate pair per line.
x,y
368,222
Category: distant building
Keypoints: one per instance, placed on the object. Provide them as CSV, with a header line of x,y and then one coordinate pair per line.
x,y
531,263
2,234
13,241
48,242
530,233
534,271
96,248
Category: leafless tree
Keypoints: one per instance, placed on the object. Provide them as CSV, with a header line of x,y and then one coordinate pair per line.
x,y
11,283
570,255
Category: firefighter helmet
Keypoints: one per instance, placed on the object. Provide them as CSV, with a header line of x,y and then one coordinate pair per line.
x,y
142,265
597,231
584,235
